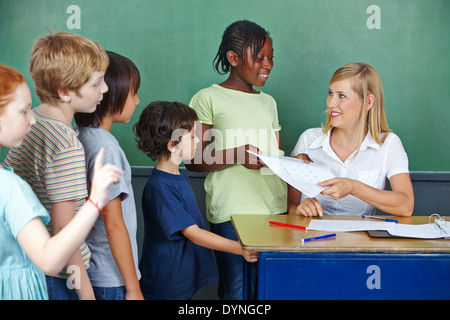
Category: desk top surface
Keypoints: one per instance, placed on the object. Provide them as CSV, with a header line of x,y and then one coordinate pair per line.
x,y
255,233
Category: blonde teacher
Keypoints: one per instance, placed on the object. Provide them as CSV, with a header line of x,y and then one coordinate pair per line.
x,y
357,145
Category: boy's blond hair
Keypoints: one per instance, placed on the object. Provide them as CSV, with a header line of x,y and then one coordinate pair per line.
x,y
64,60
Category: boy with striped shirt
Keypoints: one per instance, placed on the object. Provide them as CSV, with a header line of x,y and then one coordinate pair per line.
x,y
68,71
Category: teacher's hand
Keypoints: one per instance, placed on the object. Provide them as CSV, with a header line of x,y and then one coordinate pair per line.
x,y
310,207
338,188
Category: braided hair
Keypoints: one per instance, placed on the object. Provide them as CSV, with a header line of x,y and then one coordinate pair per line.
x,y
237,37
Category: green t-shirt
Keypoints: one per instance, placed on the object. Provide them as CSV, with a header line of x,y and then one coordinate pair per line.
x,y
238,118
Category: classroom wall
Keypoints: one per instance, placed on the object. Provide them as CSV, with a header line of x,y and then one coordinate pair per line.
x,y
173,43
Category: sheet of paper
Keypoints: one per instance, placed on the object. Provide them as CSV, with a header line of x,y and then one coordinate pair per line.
x,y
349,225
302,176
420,231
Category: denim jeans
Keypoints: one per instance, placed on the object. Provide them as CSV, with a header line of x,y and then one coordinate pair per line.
x,y
230,266
110,293
58,290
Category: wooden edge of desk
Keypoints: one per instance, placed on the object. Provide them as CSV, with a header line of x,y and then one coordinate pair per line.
x,y
343,250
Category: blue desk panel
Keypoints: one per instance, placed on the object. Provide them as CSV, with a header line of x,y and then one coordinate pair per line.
x,y
295,275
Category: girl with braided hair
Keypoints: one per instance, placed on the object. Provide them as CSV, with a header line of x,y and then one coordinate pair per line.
x,y
235,117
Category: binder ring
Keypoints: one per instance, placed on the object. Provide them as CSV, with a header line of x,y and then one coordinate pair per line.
x,y
439,223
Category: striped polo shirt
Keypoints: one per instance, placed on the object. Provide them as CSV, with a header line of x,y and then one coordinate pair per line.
x,y
51,159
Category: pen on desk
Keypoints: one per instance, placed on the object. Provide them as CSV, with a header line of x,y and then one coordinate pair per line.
x,y
320,237
379,218
287,225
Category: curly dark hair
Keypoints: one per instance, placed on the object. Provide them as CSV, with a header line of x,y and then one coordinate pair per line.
x,y
156,126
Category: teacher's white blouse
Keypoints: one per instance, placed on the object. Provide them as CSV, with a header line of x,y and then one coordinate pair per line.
x,y
372,165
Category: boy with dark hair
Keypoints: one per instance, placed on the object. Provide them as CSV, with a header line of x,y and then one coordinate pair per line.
x,y
114,269
175,260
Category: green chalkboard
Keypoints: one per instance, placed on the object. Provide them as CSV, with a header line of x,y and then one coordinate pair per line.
x,y
173,43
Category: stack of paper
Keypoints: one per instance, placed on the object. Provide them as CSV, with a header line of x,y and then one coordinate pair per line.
x,y
349,225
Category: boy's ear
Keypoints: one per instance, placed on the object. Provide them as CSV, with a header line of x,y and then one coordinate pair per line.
x,y
171,146
64,94
233,58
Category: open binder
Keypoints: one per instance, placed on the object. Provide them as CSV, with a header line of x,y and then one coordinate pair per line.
x,y
437,228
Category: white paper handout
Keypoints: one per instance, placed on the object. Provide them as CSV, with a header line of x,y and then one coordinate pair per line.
x,y
349,225
302,176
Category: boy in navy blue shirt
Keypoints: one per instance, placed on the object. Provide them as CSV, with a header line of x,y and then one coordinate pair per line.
x,y
176,260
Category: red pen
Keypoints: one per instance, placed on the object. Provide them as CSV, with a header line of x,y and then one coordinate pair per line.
x,y
287,225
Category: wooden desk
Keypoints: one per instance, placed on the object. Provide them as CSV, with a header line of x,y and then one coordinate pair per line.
x,y
353,265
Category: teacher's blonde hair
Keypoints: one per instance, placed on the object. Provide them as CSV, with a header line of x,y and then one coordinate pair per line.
x,y
365,81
